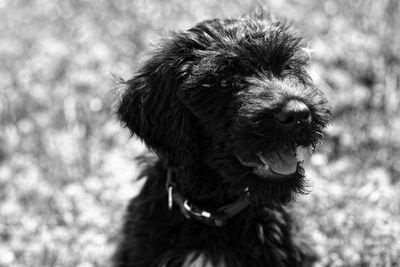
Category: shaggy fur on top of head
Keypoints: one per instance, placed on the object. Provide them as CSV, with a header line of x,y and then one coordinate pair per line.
x,y
209,103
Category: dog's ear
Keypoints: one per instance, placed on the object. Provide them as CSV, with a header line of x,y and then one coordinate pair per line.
x,y
150,108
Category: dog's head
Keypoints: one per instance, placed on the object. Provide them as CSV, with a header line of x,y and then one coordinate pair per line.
x,y
233,95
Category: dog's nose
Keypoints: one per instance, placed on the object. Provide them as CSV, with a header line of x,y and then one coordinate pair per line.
x,y
294,115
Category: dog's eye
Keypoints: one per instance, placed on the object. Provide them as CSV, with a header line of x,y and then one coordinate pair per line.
x,y
288,67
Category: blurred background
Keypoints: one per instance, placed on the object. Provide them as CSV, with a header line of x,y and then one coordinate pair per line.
x,y
67,168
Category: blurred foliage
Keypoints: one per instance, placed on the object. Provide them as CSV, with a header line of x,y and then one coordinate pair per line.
x,y
67,169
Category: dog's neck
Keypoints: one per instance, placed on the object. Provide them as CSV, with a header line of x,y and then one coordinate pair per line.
x,y
203,185
204,196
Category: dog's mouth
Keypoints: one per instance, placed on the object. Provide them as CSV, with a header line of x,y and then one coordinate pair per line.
x,y
274,165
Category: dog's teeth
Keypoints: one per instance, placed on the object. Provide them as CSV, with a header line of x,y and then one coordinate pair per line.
x,y
252,162
265,167
262,158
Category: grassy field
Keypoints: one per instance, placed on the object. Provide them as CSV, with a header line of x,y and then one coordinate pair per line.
x,y
67,168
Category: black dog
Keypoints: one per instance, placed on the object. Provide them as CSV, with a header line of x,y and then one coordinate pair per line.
x,y
225,106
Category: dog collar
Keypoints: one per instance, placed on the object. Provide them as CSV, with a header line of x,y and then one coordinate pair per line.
x,y
191,211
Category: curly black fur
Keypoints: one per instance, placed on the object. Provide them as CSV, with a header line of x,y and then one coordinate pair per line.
x,y
205,96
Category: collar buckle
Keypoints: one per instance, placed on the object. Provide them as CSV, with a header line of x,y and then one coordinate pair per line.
x,y
191,211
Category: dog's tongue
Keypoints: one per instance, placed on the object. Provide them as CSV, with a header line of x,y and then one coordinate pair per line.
x,y
282,162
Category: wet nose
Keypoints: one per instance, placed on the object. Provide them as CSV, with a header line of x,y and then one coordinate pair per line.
x,y
294,115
